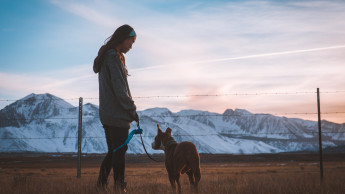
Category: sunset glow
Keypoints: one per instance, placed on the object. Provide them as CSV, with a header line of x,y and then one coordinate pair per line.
x,y
262,56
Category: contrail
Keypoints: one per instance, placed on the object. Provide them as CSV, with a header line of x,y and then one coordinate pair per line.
x,y
247,57
273,54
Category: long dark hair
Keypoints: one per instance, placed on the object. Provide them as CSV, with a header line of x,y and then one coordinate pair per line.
x,y
117,38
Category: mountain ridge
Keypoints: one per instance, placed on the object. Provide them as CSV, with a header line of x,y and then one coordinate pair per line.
x,y
46,123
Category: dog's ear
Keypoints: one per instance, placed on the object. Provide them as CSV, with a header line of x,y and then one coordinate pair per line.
x,y
168,131
159,129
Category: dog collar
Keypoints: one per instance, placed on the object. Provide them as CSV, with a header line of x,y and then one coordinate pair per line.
x,y
170,142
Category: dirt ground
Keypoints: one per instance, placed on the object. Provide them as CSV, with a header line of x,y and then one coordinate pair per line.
x,y
263,173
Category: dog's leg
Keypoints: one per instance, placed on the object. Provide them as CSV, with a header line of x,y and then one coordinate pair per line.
x,y
197,176
191,177
177,175
172,182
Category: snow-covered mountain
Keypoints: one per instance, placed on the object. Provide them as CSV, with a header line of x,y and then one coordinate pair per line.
x,y
46,123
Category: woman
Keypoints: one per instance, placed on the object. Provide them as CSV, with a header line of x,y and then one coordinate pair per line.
x,y
116,107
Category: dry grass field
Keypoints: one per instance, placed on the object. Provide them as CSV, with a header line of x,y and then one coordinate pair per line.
x,y
220,174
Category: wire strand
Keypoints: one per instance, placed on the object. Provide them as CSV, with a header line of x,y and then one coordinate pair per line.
x,y
181,116
188,135
195,95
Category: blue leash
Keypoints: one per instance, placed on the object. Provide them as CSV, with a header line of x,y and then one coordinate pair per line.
x,y
130,136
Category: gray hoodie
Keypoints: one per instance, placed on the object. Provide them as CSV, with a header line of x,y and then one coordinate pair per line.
x,y
116,107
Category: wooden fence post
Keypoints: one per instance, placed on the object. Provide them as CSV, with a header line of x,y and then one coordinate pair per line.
x,y
320,134
80,135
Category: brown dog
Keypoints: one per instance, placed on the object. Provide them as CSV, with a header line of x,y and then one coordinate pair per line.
x,y
180,158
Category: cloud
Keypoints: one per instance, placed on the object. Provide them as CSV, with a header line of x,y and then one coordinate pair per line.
x,y
246,47
87,12
67,83
214,48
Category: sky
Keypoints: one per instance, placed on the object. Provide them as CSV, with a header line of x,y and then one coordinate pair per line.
x,y
262,56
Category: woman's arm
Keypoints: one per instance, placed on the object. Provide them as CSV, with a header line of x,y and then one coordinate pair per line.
x,y
119,82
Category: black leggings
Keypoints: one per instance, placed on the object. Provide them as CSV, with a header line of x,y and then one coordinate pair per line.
x,y
115,136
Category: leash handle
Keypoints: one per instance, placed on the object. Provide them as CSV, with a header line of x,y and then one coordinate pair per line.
x,y
139,130
130,136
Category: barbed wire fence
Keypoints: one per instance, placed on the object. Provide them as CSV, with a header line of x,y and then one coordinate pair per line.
x,y
79,118
174,116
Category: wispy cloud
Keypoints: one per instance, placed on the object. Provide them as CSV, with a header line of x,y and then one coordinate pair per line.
x,y
213,48
68,83
215,61
88,12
